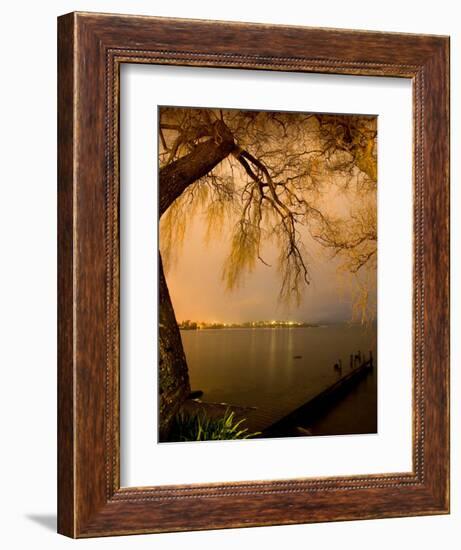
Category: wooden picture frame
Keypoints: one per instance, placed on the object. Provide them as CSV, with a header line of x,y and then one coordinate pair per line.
x,y
91,49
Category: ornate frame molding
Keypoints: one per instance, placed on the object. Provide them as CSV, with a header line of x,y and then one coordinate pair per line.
x,y
91,49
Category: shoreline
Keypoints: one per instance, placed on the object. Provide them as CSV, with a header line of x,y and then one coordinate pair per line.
x,y
296,423
229,326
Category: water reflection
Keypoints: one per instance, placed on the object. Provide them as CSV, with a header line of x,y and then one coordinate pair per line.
x,y
279,369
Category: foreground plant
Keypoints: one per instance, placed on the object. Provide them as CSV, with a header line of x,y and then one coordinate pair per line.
x,y
201,427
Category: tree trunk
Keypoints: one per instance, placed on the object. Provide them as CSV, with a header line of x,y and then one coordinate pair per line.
x,y
173,375
175,177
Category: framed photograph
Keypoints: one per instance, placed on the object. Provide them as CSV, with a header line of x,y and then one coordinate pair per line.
x,y
253,275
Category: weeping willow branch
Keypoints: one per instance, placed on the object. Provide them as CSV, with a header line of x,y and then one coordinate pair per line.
x,y
267,176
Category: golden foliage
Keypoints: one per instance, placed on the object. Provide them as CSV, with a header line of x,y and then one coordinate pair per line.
x,y
283,166
243,253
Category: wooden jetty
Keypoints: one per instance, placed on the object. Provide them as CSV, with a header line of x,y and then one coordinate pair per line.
x,y
320,403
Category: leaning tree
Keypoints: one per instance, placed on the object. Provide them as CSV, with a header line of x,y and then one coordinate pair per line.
x,y
267,172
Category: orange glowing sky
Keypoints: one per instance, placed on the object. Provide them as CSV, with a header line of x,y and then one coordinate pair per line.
x,y
198,293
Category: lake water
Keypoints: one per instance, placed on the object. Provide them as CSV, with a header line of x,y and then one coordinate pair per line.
x,y
279,369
